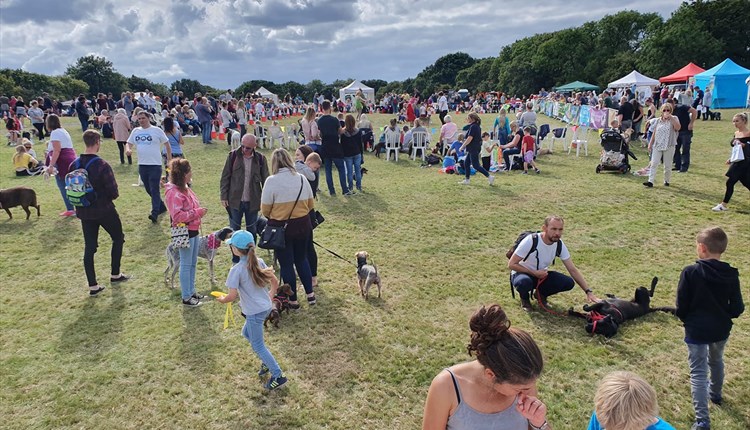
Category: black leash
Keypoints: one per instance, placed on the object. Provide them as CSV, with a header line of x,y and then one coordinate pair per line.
x,y
333,253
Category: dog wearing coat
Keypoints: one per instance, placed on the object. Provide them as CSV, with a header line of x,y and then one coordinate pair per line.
x,y
208,246
280,304
605,316
367,274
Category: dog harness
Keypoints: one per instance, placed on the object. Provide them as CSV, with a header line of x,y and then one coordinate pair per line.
x,y
213,242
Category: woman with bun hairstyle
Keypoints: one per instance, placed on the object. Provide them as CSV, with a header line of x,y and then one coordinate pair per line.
x,y
498,389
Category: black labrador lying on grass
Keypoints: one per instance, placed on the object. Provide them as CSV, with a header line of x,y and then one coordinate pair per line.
x,y
606,316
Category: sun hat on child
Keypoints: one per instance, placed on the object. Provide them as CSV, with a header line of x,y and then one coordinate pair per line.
x,y
242,239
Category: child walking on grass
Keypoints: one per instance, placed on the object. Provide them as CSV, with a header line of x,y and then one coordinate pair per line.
x,y
249,279
708,298
527,149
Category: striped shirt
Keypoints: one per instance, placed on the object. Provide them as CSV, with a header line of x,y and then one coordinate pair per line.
x,y
280,192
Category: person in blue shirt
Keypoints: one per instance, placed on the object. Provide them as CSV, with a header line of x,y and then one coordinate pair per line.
x,y
625,401
249,280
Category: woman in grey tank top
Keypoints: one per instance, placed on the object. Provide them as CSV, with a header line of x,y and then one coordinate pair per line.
x,y
497,391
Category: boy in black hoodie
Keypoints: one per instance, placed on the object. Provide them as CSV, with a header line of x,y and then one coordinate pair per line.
x,y
708,297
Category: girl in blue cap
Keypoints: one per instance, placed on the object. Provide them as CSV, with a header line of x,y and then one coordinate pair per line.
x,y
249,279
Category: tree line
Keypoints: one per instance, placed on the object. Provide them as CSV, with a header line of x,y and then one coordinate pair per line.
x,y
702,31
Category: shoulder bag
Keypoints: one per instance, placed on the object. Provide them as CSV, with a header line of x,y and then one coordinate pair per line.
x,y
274,237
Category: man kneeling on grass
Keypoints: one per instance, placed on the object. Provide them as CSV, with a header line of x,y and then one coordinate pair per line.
x,y
530,265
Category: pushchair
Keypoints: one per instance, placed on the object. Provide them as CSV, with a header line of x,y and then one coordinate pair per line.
x,y
615,153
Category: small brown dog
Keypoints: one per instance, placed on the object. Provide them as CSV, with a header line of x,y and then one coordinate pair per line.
x,y
19,196
367,274
280,304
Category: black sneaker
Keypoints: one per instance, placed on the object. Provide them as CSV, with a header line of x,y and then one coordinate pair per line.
x,y
275,383
648,184
666,184
526,305
717,400
198,296
263,370
153,220
311,300
94,293
192,302
122,278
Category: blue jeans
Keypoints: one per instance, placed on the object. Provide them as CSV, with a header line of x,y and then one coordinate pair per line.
x,y
554,283
294,254
235,221
506,156
188,260
151,177
701,358
681,157
354,171
61,187
339,162
253,332
472,159
206,131
84,122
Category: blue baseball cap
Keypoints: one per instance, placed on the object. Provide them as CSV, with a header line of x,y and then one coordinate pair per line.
x,y
241,239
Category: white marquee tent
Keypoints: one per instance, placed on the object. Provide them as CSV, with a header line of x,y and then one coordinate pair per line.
x,y
351,90
263,92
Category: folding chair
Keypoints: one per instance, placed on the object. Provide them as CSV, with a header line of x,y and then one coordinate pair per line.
x,y
580,138
392,144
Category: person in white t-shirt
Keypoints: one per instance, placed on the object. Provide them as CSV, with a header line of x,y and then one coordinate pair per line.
x,y
530,267
442,106
148,141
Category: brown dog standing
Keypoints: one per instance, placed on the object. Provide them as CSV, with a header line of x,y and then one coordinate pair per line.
x,y
280,304
19,196
367,274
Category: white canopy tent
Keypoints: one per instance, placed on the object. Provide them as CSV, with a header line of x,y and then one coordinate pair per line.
x,y
643,84
263,92
351,90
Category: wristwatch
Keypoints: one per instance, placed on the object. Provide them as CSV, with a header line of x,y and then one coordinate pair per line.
x,y
588,291
544,426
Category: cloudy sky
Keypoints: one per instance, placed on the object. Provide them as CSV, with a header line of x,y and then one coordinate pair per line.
x,y
225,42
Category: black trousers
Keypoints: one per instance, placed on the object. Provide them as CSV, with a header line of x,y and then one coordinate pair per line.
x,y
39,128
112,225
121,147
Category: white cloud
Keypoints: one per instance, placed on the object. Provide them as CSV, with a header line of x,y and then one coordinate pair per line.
x,y
225,42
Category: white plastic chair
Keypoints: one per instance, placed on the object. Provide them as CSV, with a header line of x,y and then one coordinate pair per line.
x,y
562,137
447,142
419,143
580,138
276,133
261,135
392,144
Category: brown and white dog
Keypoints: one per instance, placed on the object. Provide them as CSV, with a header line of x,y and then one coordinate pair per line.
x,y
280,304
367,274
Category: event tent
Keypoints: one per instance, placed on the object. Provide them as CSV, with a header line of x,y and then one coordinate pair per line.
x,y
351,90
747,82
728,80
634,78
263,92
577,86
682,75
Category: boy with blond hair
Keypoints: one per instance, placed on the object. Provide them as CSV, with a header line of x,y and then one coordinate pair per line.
x,y
708,298
625,401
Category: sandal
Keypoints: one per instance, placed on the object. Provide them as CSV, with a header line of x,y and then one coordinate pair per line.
x,y
311,300
294,306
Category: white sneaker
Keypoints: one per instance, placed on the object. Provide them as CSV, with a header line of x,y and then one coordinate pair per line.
x,y
719,208
491,180
464,182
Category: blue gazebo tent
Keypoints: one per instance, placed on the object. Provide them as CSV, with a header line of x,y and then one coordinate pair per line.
x,y
729,88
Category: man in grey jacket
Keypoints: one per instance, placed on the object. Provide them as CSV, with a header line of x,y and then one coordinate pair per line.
x,y
242,179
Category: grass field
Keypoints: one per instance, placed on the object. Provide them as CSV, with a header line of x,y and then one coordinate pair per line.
x,y
134,358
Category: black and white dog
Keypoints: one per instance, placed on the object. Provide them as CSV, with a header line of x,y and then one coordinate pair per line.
x,y
606,316
208,246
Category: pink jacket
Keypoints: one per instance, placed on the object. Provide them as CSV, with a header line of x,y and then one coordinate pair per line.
x,y
121,126
183,207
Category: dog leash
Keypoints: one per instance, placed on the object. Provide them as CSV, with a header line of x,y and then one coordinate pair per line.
x,y
541,304
333,253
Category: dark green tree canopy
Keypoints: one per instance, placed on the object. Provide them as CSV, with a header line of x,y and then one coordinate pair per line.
x,y
98,73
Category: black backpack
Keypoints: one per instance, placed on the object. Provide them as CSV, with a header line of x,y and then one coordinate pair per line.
x,y
534,245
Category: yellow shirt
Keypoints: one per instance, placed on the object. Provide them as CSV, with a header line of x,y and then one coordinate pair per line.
x,y
23,162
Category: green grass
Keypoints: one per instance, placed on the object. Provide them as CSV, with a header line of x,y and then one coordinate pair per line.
x,y
134,358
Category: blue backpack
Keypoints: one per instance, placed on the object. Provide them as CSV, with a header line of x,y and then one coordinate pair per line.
x,y
78,188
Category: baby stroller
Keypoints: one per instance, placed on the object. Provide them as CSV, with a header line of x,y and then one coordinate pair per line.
x,y
615,153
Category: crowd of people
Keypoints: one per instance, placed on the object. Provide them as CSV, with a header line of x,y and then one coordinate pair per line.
x,y
499,387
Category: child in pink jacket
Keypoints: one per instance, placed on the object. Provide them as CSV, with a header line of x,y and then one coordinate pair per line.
x,y
185,209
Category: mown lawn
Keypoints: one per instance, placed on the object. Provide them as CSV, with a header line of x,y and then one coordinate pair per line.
x,y
134,358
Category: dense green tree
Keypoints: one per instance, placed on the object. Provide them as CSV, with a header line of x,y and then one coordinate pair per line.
x,y
31,85
292,88
137,83
443,72
189,87
375,84
476,77
250,87
98,73
728,21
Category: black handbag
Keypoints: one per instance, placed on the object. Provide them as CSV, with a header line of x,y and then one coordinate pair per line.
x,y
274,237
316,218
